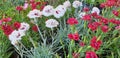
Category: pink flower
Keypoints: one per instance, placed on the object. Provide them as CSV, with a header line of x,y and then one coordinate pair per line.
x,y
91,54
72,21
104,28
74,36
6,19
25,6
0,22
117,27
95,43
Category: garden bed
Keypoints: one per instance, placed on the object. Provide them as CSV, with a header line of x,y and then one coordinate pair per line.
x,y
60,29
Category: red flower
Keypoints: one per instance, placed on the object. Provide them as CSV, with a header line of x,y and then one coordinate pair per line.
x,y
95,43
110,3
33,6
96,23
91,54
7,29
102,5
104,20
6,19
19,8
93,26
75,55
72,21
17,25
38,3
104,28
118,22
98,17
114,21
73,36
87,17
85,9
42,7
116,13
34,28
94,14
82,44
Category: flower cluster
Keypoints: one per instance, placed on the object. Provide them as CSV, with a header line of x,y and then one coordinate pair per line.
x,y
57,12
110,3
17,35
14,32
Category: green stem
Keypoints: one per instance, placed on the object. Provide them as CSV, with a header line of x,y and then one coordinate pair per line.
x,y
40,33
80,49
71,45
32,42
113,41
63,48
72,28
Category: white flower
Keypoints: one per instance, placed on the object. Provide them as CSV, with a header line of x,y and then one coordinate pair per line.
x,y
76,4
24,27
95,9
34,13
67,4
59,11
51,23
15,42
81,14
48,10
16,35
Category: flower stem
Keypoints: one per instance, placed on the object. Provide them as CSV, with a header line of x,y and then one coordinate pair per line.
x,y
40,33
